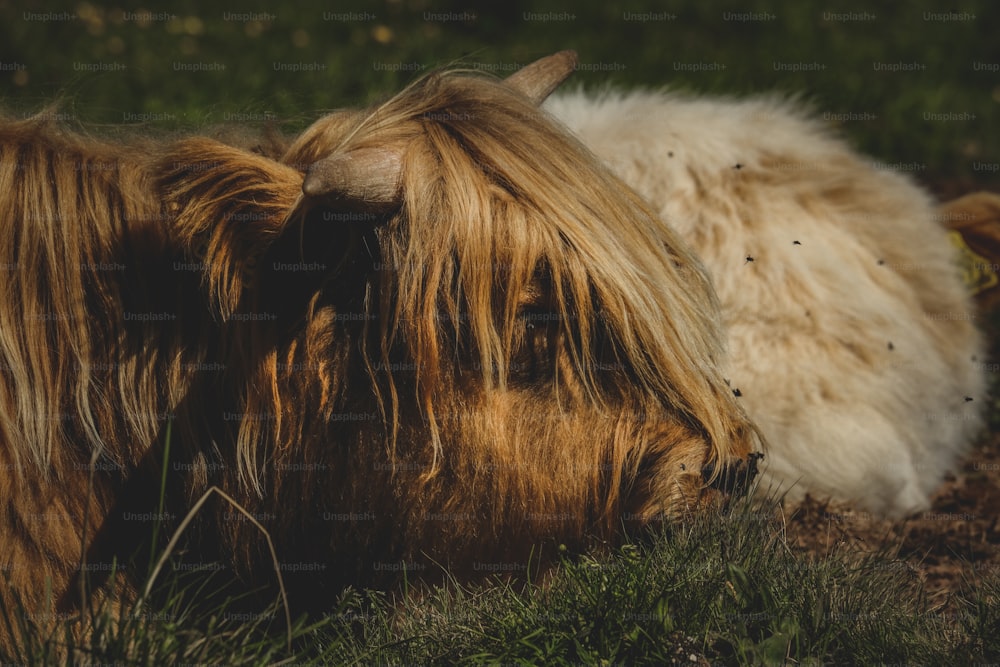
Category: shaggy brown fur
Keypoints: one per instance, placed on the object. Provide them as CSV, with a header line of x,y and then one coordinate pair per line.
x,y
478,371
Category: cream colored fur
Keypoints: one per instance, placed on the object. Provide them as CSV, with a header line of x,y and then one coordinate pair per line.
x,y
851,337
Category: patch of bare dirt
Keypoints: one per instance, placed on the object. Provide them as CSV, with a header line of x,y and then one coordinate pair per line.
x,y
951,545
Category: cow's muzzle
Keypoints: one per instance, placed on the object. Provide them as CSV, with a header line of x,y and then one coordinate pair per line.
x,y
735,478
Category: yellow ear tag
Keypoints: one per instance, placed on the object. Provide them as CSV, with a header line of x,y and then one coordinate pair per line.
x,y
977,273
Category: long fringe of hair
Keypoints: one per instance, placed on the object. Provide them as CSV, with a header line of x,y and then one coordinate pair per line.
x,y
494,193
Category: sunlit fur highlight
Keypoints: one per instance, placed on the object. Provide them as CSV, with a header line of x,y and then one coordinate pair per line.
x,y
528,201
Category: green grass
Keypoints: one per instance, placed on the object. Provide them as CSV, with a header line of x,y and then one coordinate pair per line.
x,y
723,587
726,588
180,629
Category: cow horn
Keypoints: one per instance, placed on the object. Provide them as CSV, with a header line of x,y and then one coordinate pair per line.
x,y
540,78
369,178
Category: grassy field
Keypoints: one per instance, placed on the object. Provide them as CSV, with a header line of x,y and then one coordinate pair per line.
x,y
916,84
721,590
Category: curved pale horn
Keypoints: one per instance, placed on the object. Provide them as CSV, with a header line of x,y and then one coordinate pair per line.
x,y
370,178
540,78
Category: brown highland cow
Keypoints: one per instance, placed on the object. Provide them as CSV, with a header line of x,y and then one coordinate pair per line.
x,y
434,333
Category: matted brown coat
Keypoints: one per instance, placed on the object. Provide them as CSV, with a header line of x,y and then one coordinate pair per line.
x,y
437,332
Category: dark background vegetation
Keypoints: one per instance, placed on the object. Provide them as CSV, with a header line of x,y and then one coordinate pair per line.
x,y
213,62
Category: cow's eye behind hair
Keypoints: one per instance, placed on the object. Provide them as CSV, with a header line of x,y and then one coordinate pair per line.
x,y
539,329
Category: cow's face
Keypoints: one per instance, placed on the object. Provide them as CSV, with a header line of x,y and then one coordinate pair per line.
x,y
529,331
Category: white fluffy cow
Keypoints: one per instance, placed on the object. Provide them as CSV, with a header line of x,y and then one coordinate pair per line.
x,y
853,341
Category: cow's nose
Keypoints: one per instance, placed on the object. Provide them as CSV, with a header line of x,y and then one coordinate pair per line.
x,y
734,478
